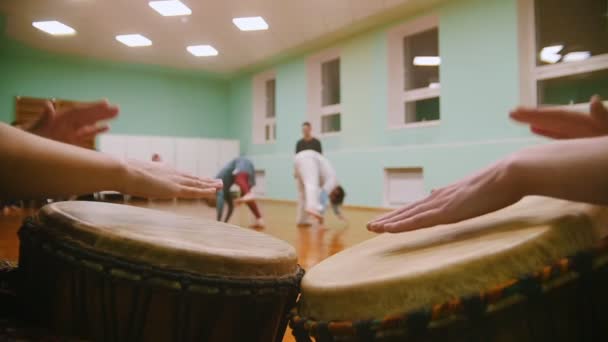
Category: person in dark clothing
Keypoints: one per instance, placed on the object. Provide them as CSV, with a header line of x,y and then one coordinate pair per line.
x,y
308,142
239,171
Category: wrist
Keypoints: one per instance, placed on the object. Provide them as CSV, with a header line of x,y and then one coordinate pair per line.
x,y
124,174
515,178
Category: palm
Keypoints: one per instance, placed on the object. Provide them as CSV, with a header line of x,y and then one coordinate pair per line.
x,y
74,126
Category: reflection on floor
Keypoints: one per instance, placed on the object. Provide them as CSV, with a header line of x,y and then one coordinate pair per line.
x,y
312,244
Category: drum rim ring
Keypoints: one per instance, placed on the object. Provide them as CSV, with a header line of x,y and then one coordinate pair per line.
x,y
33,234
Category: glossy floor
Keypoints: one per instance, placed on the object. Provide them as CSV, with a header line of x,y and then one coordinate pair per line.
x,y
312,244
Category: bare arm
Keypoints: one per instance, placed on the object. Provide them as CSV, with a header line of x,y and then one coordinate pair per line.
x,y
35,167
572,170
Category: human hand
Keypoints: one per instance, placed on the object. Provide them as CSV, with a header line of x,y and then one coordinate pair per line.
x,y
157,180
491,189
565,124
76,125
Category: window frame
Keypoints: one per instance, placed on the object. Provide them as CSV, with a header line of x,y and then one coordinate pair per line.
x,y
260,121
397,96
531,73
316,110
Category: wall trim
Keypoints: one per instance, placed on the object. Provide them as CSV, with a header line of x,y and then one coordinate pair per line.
x,y
413,147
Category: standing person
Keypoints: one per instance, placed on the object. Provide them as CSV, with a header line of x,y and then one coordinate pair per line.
x,y
308,142
239,171
317,185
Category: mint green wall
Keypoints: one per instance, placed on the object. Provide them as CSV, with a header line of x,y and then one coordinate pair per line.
x,y
153,100
479,80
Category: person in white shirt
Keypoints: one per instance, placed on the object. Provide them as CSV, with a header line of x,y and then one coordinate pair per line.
x,y
317,185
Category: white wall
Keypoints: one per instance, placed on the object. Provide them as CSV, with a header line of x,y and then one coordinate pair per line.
x,y
197,156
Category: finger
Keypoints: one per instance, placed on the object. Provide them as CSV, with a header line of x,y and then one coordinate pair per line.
x,y
371,224
91,131
377,224
402,209
91,113
544,115
207,182
393,213
598,110
548,134
198,183
187,175
211,180
432,205
425,219
47,115
538,116
192,192
561,122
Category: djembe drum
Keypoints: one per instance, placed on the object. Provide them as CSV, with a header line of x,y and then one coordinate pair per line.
x,y
535,271
103,271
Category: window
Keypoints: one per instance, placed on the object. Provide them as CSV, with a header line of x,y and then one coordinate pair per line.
x,y
264,112
324,99
403,186
565,51
414,63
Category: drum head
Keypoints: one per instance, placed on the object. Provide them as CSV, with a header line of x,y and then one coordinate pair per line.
x,y
169,241
398,273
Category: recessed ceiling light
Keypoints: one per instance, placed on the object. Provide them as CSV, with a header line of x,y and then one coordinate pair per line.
x,y
250,23
577,56
54,27
202,50
134,40
170,8
427,60
550,54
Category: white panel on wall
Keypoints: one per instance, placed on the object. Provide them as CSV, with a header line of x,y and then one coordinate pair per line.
x,y
208,158
138,147
228,150
403,186
113,145
187,154
260,183
165,147
202,157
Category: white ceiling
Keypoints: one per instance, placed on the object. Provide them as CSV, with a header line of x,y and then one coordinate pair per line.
x,y
293,24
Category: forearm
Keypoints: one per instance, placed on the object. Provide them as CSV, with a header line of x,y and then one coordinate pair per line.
x,y
574,170
34,167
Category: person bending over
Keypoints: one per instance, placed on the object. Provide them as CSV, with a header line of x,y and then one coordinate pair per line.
x,y
239,171
317,187
574,170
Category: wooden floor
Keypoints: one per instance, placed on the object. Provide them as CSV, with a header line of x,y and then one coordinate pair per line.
x,y
312,244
